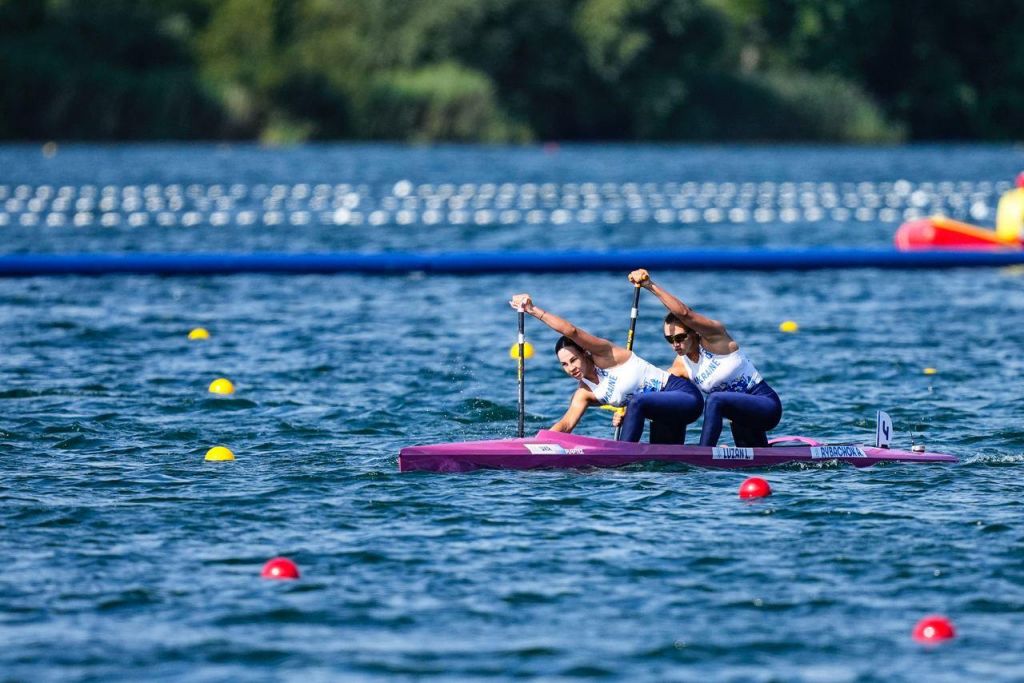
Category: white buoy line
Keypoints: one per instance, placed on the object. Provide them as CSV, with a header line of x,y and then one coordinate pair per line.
x,y
405,203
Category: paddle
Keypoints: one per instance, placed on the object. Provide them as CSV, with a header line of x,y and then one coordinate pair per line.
x,y
629,337
521,363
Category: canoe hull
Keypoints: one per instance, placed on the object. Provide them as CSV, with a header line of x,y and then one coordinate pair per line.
x,y
555,450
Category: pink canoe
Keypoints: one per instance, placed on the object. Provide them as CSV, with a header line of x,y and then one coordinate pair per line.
x,y
557,450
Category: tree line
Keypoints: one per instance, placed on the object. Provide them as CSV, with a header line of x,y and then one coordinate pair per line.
x,y
512,70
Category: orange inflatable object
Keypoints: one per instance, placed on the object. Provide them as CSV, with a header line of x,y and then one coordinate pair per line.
x,y
939,232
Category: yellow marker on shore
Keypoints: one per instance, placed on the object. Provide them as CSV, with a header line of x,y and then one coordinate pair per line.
x,y
513,351
930,371
199,333
788,326
222,385
218,453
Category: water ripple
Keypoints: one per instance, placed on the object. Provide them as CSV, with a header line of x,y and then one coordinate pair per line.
x,y
129,557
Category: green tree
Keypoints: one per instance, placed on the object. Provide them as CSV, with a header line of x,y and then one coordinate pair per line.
x,y
110,69
946,69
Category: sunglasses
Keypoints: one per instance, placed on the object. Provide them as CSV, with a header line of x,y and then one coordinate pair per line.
x,y
676,338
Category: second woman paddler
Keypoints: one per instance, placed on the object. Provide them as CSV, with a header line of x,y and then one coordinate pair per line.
x,y
705,353
613,375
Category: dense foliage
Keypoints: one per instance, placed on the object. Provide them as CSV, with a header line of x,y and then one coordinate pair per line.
x,y
511,70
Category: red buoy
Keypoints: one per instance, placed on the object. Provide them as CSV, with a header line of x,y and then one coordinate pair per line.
x,y
280,568
755,487
933,629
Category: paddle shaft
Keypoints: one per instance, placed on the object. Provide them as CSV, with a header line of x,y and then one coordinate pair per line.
x,y
633,313
521,362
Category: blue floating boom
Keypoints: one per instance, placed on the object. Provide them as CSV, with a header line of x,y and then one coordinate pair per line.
x,y
473,262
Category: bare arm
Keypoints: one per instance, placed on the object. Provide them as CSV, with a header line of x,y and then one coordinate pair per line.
x,y
604,352
716,338
679,369
581,400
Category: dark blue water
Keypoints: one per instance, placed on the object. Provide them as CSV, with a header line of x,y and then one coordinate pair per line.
x,y
127,556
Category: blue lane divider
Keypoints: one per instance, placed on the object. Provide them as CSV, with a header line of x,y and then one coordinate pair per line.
x,y
470,262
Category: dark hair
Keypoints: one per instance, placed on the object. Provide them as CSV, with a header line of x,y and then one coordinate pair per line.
x,y
564,341
673,319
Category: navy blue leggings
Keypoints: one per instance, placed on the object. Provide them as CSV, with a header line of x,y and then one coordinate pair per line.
x,y
678,404
752,415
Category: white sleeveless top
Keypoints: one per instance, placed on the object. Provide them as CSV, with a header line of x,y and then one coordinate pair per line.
x,y
730,372
617,385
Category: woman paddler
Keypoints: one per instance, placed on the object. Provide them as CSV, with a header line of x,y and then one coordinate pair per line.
x,y
613,375
708,356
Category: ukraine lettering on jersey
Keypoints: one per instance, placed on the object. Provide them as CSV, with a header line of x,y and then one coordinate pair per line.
x,y
710,365
609,390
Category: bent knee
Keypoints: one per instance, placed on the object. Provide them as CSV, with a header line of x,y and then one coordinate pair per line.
x,y
714,401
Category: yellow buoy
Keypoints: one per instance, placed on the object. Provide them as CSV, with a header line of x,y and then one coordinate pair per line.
x,y
513,351
930,371
222,385
199,333
788,326
219,453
